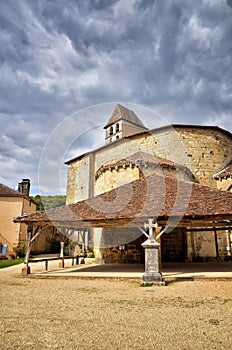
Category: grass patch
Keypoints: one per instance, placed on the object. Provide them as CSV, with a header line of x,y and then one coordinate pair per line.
x,y
7,263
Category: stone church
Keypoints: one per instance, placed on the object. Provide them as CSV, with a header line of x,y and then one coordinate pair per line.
x,y
192,153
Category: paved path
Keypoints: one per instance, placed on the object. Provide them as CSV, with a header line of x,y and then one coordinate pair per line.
x,y
222,270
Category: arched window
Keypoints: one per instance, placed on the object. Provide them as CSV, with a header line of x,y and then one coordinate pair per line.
x,y
117,127
111,130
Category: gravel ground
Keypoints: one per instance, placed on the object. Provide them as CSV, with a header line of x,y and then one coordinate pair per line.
x,y
113,314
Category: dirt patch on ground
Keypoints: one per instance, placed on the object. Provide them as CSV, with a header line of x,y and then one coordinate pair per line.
x,y
104,314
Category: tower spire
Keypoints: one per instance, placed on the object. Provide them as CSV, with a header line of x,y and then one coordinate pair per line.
x,y
123,122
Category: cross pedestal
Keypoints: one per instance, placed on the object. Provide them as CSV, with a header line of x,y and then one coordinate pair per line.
x,y
152,275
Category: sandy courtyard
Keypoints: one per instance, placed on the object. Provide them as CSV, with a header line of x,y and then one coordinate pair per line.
x,y
112,314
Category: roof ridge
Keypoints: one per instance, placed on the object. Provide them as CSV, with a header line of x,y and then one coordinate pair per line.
x,y
225,171
124,113
7,191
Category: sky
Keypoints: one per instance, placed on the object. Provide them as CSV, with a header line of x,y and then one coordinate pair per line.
x,y
65,64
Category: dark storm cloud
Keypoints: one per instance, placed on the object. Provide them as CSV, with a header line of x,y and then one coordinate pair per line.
x,y
60,56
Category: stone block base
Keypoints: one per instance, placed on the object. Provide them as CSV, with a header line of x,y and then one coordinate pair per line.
x,y
26,271
153,279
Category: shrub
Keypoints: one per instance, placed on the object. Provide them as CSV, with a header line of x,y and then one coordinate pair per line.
x,y
12,256
90,254
20,250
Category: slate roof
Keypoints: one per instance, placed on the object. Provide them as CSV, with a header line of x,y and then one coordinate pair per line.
x,y
8,192
154,196
225,172
121,112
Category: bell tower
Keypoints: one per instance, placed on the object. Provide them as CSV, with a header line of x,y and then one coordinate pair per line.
x,y
123,122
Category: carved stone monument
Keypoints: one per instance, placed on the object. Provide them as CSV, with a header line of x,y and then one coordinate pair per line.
x,y
152,275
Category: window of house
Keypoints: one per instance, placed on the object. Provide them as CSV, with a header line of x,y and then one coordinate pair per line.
x,y
117,127
111,130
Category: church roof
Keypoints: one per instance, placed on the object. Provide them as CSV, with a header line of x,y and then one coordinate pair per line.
x,y
131,204
124,113
152,132
225,172
142,159
8,192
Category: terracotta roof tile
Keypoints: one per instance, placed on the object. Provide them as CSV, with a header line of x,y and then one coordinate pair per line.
x,y
225,172
8,192
141,159
153,196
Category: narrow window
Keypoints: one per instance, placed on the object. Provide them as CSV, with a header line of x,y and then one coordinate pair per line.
x,y
117,127
111,130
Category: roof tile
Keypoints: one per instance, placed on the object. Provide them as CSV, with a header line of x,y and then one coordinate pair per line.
x,y
121,112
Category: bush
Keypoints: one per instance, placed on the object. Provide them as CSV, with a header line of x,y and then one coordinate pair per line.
x,y
12,256
90,254
20,250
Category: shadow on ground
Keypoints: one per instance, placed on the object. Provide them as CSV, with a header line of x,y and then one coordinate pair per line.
x,y
166,268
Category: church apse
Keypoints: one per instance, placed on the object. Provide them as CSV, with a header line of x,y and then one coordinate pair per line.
x,y
191,153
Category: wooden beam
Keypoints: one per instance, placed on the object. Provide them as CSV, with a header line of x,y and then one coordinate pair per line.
x,y
216,243
38,233
209,229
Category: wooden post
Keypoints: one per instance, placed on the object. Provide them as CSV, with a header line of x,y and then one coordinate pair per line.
x,y
216,243
228,244
62,262
26,269
62,254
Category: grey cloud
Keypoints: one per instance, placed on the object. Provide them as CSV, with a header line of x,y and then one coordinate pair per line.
x,y
59,57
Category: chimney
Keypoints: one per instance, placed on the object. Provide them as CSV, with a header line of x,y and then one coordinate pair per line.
x,y
24,187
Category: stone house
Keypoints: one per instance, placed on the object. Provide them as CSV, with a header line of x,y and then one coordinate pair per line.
x,y
12,204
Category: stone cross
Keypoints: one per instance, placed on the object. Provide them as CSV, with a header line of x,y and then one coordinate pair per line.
x,y
152,275
151,226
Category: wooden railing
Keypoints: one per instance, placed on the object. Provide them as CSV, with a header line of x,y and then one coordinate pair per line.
x,y
62,259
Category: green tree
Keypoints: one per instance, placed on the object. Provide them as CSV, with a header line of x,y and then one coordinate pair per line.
x,y
48,202
39,202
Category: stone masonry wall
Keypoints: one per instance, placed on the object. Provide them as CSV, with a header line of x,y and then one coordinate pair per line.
x,y
202,244
78,181
225,184
204,151
112,179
